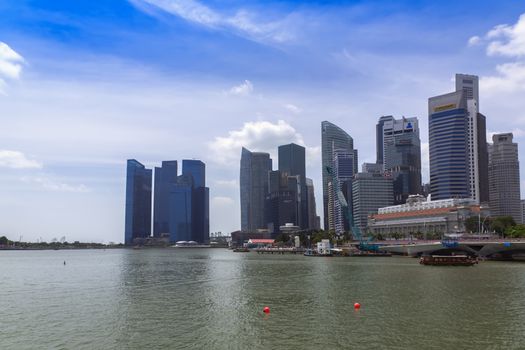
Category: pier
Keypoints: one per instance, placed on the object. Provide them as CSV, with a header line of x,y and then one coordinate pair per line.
x,y
275,250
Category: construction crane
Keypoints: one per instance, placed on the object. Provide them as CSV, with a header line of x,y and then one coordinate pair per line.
x,y
364,244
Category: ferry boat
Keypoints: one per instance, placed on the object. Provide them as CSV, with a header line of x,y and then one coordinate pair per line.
x,y
448,260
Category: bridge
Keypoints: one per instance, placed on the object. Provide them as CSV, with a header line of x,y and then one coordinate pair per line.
x,y
504,250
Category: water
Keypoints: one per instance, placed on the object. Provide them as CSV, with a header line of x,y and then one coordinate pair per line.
x,y
213,299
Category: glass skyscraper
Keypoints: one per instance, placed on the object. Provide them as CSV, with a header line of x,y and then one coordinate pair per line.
x,y
401,155
138,202
165,177
292,161
255,168
332,138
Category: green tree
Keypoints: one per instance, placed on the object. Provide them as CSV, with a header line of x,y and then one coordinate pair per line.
x,y
4,240
501,223
517,231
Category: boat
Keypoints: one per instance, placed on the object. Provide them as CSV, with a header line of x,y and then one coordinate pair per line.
x,y
241,250
189,244
310,252
448,260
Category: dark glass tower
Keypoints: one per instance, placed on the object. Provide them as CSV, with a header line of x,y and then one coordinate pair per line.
x,y
165,177
255,167
332,137
138,202
181,208
282,204
292,161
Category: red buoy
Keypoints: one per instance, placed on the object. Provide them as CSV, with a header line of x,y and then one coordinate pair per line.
x,y
357,306
266,310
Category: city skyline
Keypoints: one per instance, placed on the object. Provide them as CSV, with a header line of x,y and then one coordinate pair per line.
x,y
83,90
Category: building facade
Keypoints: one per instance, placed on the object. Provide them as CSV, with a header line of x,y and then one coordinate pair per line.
x,y
504,177
332,138
344,166
138,202
255,167
292,161
164,178
370,192
431,219
313,219
401,155
283,203
457,143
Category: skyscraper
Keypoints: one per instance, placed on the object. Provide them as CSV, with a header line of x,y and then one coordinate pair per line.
x,y
344,166
457,143
138,202
255,167
504,177
292,161
332,137
370,191
312,210
401,155
282,201
165,176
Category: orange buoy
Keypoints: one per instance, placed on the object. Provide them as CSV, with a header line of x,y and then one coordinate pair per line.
x,y
266,310
357,306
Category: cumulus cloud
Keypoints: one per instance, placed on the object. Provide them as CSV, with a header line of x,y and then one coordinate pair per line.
x,y
244,89
262,136
10,65
243,22
506,40
17,160
52,185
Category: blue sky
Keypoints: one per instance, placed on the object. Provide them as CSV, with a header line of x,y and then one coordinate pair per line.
x,y
84,85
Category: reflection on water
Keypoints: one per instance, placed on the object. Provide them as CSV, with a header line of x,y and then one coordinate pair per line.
x,y
213,299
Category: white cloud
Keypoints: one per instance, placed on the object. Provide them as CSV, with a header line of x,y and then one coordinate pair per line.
x,y
52,185
244,89
473,41
510,78
507,40
292,108
17,160
242,22
222,201
10,65
262,136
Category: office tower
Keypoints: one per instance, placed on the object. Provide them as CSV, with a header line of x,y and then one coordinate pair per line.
x,y
282,202
255,167
164,177
292,162
504,177
379,138
181,207
402,155
457,144
138,202
332,137
344,165
370,192
523,211
312,210
189,204
372,168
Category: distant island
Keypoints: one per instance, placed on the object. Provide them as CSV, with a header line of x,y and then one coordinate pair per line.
x,y
6,244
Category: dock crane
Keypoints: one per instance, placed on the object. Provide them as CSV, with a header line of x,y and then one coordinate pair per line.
x,y
364,244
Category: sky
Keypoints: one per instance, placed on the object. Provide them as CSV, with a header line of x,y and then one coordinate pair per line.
x,y
86,85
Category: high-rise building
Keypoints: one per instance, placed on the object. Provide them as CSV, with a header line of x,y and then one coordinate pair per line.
x,y
401,155
283,201
165,176
292,161
457,143
255,167
379,138
504,177
332,138
370,192
181,208
344,166
138,202
372,168
313,219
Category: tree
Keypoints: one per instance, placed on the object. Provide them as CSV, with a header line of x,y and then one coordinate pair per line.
x,y
4,240
517,231
501,223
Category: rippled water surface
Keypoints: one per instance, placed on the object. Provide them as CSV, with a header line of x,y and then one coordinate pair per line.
x,y
213,299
